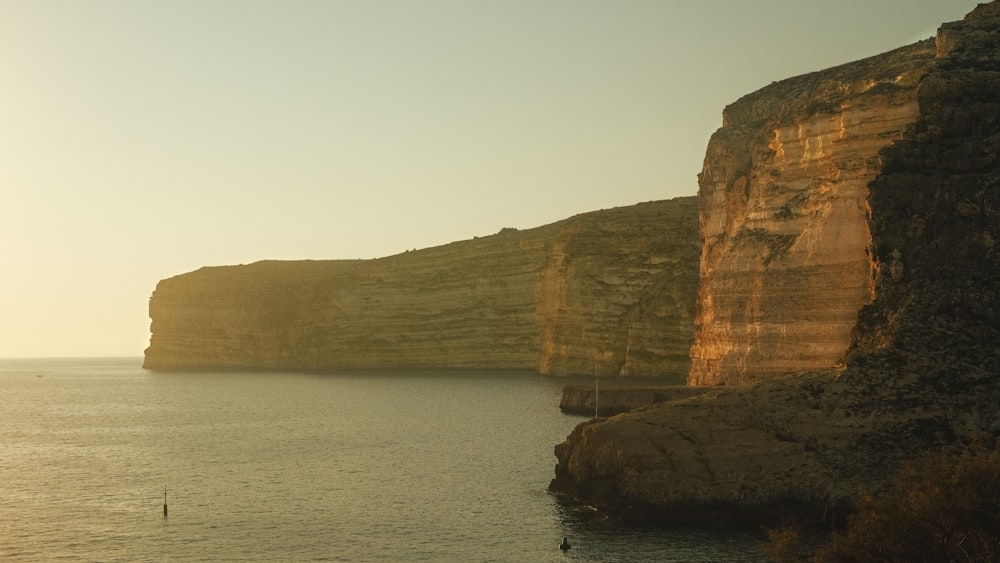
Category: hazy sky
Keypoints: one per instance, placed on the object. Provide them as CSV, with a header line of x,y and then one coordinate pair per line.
x,y
144,139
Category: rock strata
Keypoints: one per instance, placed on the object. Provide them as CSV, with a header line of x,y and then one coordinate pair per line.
x,y
785,264
920,369
603,293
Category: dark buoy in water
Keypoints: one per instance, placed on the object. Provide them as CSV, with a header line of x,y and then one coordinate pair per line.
x,y
564,545
164,502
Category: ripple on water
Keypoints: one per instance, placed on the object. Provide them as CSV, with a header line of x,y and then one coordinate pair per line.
x,y
388,466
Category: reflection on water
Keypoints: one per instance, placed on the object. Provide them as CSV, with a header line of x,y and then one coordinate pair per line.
x,y
344,467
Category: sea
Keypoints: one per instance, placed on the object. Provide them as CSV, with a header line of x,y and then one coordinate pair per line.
x,y
347,466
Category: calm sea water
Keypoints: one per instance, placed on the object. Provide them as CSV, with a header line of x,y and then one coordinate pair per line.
x,y
288,466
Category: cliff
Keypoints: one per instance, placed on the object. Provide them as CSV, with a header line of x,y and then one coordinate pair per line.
x,y
603,293
785,265
919,361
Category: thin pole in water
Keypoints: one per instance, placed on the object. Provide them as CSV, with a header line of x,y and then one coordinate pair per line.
x,y
164,502
597,388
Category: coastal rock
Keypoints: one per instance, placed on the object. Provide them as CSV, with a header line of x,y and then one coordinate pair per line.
x,y
604,293
920,369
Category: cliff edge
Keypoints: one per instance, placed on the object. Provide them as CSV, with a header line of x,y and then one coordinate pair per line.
x,y
919,357
604,293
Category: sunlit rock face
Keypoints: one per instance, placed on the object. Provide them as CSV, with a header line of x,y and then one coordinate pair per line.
x,y
785,263
921,370
615,291
606,293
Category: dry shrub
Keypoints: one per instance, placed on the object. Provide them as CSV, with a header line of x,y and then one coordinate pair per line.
x,y
941,509
783,544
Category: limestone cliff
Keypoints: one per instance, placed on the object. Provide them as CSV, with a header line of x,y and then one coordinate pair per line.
x,y
921,366
785,264
607,293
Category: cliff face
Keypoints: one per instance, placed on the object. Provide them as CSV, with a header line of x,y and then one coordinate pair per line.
x,y
785,264
607,293
921,369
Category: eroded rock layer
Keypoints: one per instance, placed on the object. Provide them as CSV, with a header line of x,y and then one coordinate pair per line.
x,y
784,265
921,372
606,293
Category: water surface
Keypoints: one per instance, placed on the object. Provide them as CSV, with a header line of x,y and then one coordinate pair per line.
x,y
367,466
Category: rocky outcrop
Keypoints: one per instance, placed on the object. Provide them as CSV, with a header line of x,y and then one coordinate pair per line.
x,y
603,293
920,372
785,265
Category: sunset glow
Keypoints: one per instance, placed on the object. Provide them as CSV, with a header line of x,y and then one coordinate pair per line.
x,y
145,139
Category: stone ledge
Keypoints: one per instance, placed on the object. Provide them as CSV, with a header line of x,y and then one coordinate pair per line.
x,y
617,398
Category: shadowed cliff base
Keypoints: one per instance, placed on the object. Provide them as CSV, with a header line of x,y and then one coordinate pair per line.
x,y
920,372
607,293
609,399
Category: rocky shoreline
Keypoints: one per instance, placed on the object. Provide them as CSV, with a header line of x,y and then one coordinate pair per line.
x,y
920,372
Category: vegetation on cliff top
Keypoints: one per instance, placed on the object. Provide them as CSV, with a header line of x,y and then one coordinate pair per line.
x,y
939,508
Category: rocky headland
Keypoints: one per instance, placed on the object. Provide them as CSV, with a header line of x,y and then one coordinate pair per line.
x,y
604,293
849,304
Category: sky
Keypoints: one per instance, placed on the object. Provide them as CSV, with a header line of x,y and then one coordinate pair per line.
x,y
143,139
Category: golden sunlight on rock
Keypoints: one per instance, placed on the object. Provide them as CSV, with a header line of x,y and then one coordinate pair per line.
x,y
785,262
849,305
603,293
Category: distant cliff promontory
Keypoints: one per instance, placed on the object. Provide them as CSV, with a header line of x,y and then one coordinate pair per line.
x,y
849,299
604,293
